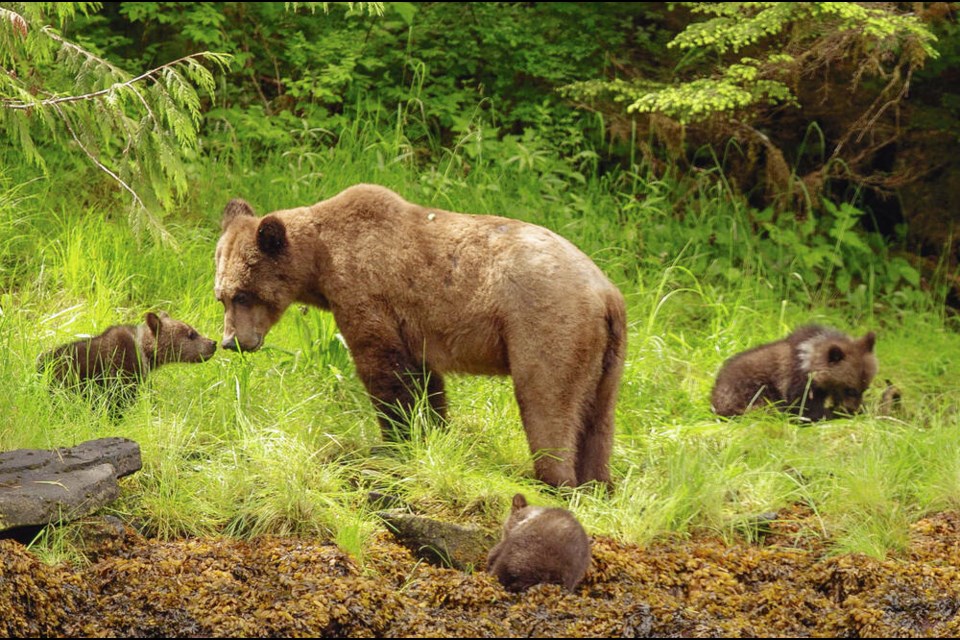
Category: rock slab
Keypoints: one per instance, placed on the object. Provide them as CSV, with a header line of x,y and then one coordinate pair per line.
x,y
40,486
439,543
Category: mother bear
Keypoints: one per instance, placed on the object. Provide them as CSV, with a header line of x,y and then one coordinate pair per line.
x,y
418,292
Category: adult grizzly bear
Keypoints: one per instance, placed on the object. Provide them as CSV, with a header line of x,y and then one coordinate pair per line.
x,y
418,292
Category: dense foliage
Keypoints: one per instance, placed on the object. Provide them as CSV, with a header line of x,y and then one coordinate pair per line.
x,y
541,85
789,40
435,62
763,74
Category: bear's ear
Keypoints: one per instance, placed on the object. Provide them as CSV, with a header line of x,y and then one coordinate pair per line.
x,y
869,341
271,236
236,208
519,502
835,354
153,323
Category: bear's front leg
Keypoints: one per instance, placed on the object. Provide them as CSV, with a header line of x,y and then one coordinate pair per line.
x,y
397,383
493,554
814,406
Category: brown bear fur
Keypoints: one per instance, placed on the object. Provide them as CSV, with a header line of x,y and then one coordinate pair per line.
x,y
418,292
114,363
816,372
891,401
540,545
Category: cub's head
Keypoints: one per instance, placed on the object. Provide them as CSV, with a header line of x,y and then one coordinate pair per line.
x,y
176,341
843,367
254,280
520,513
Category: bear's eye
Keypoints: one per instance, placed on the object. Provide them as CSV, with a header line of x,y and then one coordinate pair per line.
x,y
242,299
193,335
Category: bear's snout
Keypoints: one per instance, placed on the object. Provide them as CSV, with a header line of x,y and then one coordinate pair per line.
x,y
210,348
232,344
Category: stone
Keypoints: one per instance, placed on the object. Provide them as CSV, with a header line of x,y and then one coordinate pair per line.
x,y
440,543
40,486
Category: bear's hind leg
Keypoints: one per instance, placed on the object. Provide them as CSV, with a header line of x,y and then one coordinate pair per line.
x,y
595,444
595,441
436,395
566,379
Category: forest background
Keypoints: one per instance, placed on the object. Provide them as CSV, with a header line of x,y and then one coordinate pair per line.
x,y
737,169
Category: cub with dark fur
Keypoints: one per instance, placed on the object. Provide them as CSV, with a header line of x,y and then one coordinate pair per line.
x,y
539,545
815,372
113,364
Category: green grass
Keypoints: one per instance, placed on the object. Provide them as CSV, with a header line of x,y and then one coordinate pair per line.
x,y
285,441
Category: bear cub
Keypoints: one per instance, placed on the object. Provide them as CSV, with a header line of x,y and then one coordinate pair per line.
x,y
539,544
113,364
816,372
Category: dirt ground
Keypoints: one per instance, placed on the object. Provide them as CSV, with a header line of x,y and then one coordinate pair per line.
x,y
786,585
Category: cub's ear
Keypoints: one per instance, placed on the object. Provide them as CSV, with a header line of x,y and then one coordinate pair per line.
x,y
153,323
835,354
236,208
519,502
271,236
869,341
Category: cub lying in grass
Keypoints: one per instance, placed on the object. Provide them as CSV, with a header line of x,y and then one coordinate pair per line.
x,y
815,372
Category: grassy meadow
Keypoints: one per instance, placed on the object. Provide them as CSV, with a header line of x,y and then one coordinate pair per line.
x,y
285,441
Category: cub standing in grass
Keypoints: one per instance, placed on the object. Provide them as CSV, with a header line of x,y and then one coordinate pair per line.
x,y
418,292
113,364
539,545
815,372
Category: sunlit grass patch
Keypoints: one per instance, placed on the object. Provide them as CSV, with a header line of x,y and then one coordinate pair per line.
x,y
285,440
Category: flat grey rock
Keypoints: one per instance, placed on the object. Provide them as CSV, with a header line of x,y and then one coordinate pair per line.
x,y
122,453
40,486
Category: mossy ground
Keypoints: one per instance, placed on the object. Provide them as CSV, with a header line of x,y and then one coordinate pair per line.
x,y
785,585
